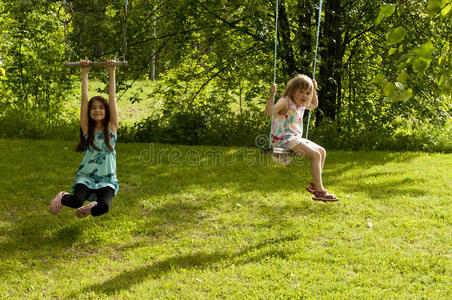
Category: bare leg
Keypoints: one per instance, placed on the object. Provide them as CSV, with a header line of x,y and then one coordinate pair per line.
x,y
320,149
307,149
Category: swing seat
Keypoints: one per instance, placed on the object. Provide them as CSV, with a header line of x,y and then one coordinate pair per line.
x,y
282,156
282,151
278,150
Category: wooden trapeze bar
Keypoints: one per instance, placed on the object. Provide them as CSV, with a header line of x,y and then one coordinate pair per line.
x,y
96,64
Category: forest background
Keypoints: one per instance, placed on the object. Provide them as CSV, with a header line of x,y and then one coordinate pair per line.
x,y
200,71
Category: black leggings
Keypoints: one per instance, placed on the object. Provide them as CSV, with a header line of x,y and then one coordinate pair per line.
x,y
82,193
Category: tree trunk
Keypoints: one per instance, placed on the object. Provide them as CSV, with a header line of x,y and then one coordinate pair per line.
x,y
305,15
22,78
285,45
331,62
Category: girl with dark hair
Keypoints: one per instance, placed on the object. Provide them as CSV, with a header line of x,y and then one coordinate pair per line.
x,y
96,176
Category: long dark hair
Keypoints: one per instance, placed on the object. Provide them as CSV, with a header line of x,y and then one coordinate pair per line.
x,y
84,144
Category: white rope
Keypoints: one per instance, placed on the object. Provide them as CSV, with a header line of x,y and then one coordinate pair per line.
x,y
274,70
314,67
315,62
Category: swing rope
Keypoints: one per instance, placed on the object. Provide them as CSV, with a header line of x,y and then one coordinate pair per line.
x,y
124,31
315,61
314,67
274,70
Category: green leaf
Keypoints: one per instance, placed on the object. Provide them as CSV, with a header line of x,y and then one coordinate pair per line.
x,y
440,60
389,89
396,35
388,9
419,65
405,95
379,18
434,8
424,50
446,9
379,79
392,51
402,77
442,80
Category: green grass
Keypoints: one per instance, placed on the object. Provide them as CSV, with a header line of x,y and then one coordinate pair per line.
x,y
187,225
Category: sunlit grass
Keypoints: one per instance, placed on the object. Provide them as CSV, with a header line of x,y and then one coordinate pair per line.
x,y
201,222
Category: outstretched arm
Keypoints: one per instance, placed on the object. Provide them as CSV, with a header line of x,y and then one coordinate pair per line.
x,y
268,106
112,96
84,118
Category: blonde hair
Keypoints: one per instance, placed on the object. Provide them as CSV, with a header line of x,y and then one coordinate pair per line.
x,y
299,82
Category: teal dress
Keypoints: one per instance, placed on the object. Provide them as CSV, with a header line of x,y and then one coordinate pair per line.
x,y
98,168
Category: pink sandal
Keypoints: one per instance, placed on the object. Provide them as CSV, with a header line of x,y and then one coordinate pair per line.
x,y
85,211
56,205
324,196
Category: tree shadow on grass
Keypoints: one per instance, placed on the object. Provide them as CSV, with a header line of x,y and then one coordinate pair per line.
x,y
380,185
262,177
199,260
176,215
31,239
167,177
251,172
387,190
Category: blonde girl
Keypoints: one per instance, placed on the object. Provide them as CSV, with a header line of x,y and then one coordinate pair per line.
x,y
287,129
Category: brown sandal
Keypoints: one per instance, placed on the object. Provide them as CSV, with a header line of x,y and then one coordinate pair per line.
x,y
311,188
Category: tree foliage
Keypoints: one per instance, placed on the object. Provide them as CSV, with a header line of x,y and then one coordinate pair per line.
x,y
30,52
381,65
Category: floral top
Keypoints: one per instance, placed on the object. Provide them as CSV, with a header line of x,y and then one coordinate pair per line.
x,y
287,130
98,168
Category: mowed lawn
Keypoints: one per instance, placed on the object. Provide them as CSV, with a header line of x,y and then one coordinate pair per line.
x,y
212,222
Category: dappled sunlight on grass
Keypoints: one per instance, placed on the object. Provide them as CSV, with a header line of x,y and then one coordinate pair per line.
x,y
226,222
